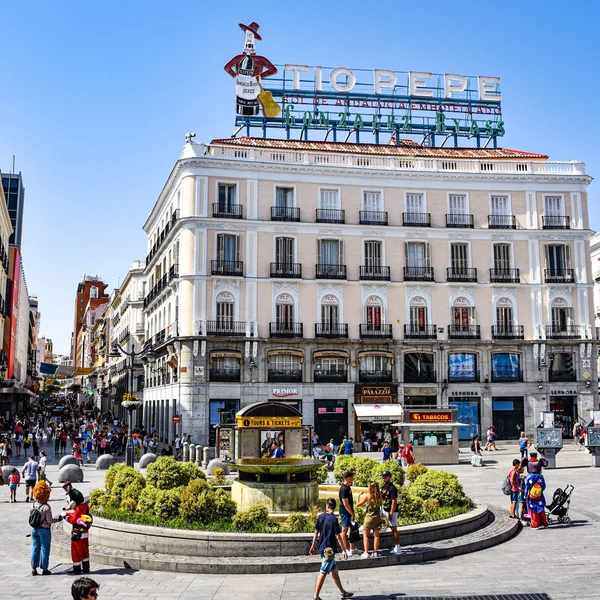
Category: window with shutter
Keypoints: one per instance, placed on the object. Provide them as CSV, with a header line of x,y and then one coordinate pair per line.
x,y
500,206
284,251
372,201
373,254
329,199
459,260
553,206
226,197
415,203
457,204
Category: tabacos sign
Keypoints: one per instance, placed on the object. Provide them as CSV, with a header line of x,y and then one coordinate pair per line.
x,y
348,100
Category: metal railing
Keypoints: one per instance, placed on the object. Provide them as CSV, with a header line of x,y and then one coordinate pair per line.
x,y
375,376
505,275
420,332
559,275
227,267
502,222
285,375
564,332
162,236
331,330
286,330
418,274
461,274
464,332
293,270
232,375
225,328
330,376
372,217
331,215
556,222
374,273
382,331
328,271
508,332
227,211
285,213
464,221
416,219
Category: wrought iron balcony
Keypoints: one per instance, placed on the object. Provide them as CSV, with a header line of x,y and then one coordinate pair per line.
x,y
173,272
225,328
505,275
464,221
383,331
160,239
328,271
564,332
227,211
331,215
418,274
376,376
508,332
286,270
560,222
420,332
286,330
330,376
227,267
285,213
331,330
502,222
373,217
559,275
410,219
460,274
464,332
228,375
374,273
285,375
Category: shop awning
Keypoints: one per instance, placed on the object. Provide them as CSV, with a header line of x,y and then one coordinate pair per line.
x,y
430,425
378,412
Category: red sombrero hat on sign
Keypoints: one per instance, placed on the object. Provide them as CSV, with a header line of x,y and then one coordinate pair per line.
x,y
253,27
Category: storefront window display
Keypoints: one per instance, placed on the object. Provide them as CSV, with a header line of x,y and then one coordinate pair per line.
x,y
506,367
462,367
221,412
431,437
468,413
419,367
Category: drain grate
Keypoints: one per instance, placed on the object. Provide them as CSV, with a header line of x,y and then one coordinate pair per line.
x,y
484,597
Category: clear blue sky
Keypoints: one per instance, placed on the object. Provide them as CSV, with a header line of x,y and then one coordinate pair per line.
x,y
98,95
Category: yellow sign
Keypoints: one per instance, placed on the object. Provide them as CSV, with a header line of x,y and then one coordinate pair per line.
x,y
587,375
270,422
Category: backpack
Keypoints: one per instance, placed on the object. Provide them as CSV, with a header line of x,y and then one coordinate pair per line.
x,y
507,486
404,453
473,447
536,491
35,516
328,447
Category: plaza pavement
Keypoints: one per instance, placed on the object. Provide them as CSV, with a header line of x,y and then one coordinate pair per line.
x,y
561,561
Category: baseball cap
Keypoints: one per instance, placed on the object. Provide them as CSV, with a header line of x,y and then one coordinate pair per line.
x,y
386,474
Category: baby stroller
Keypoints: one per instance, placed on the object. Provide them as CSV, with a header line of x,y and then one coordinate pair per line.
x,y
559,507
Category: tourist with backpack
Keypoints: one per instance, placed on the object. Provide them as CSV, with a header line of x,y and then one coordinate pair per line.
x,y
524,445
40,520
407,456
535,484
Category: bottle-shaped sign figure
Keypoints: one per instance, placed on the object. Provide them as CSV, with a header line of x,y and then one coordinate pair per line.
x,y
248,68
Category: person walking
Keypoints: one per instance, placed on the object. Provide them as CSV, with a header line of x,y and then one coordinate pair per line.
x,y
513,478
347,516
84,588
29,473
389,495
407,455
535,484
576,429
41,519
328,533
42,468
13,482
581,440
349,447
329,453
491,439
477,458
387,452
373,518
524,445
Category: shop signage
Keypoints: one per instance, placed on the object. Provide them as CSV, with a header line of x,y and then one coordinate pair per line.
x,y
563,392
426,417
269,422
418,301
504,303
462,301
465,393
353,100
329,299
285,299
284,392
376,391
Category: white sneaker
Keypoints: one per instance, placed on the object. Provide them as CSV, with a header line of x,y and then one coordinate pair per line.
x,y
355,552
397,549
364,555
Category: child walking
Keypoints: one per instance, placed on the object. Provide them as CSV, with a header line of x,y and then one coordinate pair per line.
x,y
13,483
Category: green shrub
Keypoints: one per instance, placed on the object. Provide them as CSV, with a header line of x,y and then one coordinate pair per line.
x,y
97,498
129,505
225,506
409,505
133,490
298,523
191,471
111,474
194,505
342,464
218,476
440,485
393,467
322,474
430,505
148,498
415,471
112,501
246,520
167,504
165,473
124,478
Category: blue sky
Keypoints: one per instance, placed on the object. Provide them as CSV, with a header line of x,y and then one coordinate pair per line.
x,y
98,95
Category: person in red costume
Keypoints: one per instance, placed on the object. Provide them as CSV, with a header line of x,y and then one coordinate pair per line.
x,y
248,68
78,514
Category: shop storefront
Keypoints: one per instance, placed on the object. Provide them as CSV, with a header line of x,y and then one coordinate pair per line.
x,y
331,420
290,395
422,396
508,416
468,406
375,409
221,412
564,405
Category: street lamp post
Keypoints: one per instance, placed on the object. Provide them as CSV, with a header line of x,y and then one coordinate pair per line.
x,y
116,352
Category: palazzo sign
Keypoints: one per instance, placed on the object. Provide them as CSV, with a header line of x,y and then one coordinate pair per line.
x,y
345,101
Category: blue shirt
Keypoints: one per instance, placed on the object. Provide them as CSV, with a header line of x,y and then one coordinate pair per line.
x,y
348,447
387,453
328,527
278,453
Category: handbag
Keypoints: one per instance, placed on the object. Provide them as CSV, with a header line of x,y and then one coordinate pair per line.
x,y
354,533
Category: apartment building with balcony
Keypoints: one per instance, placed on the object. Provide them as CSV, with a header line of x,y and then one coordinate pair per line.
x,y
328,274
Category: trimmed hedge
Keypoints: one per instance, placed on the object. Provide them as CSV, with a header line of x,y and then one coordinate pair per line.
x,y
441,486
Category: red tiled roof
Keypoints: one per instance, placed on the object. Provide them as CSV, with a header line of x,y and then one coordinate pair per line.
x,y
406,148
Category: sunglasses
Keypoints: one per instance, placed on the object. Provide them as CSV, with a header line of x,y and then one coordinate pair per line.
x,y
93,593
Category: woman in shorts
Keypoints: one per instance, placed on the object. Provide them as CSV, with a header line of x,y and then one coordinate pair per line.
x,y
373,519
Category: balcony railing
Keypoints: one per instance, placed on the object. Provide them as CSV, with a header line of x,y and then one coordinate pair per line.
x,y
502,222
293,270
464,332
507,374
286,330
505,275
374,273
285,213
377,376
160,239
375,331
227,267
508,332
285,375
331,215
561,375
327,271
416,219
173,272
464,221
330,376
227,211
556,222
331,330
559,275
224,328
158,287
460,274
373,217
420,332
564,332
225,375
418,274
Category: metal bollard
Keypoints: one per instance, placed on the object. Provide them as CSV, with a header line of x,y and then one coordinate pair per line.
x,y
199,455
186,452
192,453
204,458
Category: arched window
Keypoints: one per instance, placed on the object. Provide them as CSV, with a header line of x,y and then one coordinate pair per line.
x,y
284,311
562,318
463,315
504,316
225,312
374,313
419,317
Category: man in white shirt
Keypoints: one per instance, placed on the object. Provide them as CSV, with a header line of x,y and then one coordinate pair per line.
x,y
29,474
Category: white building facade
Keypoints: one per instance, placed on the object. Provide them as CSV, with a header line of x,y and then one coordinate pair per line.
x,y
329,275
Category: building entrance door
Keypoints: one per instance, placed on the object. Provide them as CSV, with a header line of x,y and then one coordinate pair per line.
x,y
508,415
331,420
565,413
